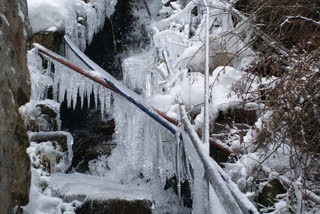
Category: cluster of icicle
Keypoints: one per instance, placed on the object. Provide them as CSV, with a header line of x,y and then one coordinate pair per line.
x,y
71,85
94,15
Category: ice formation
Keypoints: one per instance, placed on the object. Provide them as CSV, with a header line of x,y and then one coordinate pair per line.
x,y
37,121
69,84
40,78
66,16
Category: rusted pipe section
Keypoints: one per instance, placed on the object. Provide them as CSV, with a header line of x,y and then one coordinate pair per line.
x,y
75,68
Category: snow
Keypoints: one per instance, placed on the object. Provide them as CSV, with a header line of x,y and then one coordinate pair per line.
x,y
182,17
42,201
20,13
62,15
70,186
58,133
200,183
190,90
4,18
44,14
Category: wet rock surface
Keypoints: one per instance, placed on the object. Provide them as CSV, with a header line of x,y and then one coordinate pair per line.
x,y
115,206
88,145
14,92
51,40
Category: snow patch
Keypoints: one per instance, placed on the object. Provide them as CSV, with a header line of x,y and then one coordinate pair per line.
x,y
4,18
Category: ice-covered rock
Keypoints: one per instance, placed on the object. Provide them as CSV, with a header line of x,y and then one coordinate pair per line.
x,y
43,115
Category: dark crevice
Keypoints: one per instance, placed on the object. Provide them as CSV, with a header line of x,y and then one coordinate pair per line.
x,y
121,33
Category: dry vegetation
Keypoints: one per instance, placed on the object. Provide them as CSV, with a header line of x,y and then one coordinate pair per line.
x,y
271,16
294,94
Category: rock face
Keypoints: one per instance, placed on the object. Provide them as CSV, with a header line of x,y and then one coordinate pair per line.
x,y
50,40
115,206
90,144
14,92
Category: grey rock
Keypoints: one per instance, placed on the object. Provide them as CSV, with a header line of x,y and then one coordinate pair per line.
x,y
60,137
14,92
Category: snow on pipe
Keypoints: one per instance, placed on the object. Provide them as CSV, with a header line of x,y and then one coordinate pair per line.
x,y
228,193
95,67
102,80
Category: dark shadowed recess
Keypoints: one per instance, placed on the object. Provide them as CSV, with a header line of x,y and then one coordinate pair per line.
x,y
120,34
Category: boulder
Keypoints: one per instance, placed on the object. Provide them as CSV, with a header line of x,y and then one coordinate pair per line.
x,y
41,115
14,92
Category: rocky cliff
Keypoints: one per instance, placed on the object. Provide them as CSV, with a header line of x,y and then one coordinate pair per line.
x,y
14,92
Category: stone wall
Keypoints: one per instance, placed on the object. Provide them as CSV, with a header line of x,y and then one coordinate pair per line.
x,y
14,92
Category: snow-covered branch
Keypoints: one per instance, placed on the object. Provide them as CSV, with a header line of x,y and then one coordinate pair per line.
x,y
206,80
290,18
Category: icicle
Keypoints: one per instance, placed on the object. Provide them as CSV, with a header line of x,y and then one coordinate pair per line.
x,y
101,96
75,95
187,168
178,171
89,90
108,95
55,85
82,92
96,90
